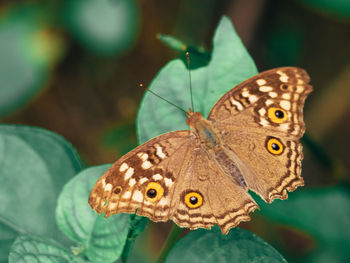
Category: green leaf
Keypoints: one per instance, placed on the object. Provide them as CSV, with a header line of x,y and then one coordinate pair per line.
x,y
323,213
238,245
100,239
28,50
28,248
230,64
104,27
35,164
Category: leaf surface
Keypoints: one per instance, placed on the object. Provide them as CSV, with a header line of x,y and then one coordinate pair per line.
x,y
230,64
238,245
35,164
100,239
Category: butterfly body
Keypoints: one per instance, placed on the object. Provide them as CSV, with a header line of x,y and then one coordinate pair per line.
x,y
208,139
200,177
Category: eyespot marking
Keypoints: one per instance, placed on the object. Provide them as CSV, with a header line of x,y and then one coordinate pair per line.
x,y
117,190
193,199
277,115
154,191
274,146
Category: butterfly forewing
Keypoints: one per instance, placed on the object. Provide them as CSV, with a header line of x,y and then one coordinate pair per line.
x,y
272,101
142,181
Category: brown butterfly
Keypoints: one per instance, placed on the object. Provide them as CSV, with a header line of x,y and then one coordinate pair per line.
x,y
200,177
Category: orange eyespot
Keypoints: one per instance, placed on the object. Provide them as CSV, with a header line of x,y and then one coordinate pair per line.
x,y
277,115
284,87
154,191
117,190
193,199
274,146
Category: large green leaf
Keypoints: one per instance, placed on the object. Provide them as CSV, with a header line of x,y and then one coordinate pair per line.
x,y
230,64
36,249
323,213
105,27
35,164
100,239
238,245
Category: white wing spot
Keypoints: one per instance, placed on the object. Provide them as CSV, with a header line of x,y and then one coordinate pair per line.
x,y
245,94
157,177
268,102
160,152
129,173
265,88
253,98
137,196
300,81
163,201
262,111
284,78
286,96
146,165
261,82
143,180
285,104
237,104
123,167
112,205
127,195
108,187
132,182
300,89
143,156
273,94
284,126
168,182
264,122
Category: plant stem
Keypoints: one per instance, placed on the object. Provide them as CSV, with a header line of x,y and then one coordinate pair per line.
x,y
173,237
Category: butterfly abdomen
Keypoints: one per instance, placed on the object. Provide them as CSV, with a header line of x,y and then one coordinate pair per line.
x,y
229,167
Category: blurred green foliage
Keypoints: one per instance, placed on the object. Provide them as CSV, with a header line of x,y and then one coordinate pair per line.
x,y
28,50
339,9
105,27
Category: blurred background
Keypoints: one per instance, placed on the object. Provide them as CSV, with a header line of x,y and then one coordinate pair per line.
x,y
74,66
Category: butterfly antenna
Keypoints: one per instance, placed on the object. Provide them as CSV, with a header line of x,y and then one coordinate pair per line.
x,y
189,75
155,94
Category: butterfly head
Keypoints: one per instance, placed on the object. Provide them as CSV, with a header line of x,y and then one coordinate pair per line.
x,y
193,117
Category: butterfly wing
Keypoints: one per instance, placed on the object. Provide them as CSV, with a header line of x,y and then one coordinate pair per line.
x,y
178,169
261,121
142,181
253,103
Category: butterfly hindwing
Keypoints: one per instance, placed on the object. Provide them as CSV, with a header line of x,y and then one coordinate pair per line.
x,y
217,199
273,163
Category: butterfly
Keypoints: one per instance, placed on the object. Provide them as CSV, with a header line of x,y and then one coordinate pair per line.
x,y
200,177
